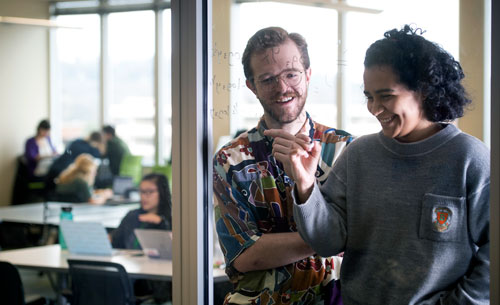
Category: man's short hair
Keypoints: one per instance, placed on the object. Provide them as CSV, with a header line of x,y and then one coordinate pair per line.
x,y
95,137
109,130
269,38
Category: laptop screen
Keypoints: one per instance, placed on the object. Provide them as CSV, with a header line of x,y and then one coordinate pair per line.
x,y
155,243
121,184
86,238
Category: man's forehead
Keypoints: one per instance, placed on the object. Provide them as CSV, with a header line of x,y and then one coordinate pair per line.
x,y
282,57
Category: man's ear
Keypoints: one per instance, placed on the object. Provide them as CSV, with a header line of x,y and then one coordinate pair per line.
x,y
251,86
308,75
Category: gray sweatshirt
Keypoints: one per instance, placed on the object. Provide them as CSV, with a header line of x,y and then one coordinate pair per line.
x,y
413,220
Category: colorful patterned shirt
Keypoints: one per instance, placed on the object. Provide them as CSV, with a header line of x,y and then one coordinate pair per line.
x,y
253,198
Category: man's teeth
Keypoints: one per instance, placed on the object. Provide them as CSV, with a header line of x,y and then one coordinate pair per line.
x,y
284,100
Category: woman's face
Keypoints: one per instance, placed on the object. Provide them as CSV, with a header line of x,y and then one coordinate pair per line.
x,y
398,109
150,197
43,132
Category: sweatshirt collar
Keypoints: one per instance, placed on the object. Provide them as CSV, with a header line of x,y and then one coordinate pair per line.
x,y
420,147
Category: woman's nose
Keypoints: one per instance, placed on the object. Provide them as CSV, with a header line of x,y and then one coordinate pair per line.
x,y
375,107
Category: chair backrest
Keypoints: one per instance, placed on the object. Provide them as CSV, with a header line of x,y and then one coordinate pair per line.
x,y
98,282
132,166
11,286
165,170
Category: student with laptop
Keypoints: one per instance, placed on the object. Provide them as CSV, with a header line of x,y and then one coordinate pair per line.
x,y
155,213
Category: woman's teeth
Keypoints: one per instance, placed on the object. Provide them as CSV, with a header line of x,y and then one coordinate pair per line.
x,y
386,120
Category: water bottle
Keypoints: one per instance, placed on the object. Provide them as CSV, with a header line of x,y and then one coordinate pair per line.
x,y
65,215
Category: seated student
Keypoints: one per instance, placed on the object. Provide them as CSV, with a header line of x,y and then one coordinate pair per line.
x,y
39,151
155,213
75,184
93,145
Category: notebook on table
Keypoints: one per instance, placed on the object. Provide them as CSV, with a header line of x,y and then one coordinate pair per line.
x,y
86,238
155,243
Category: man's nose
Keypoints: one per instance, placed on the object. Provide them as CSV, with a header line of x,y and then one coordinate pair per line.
x,y
281,84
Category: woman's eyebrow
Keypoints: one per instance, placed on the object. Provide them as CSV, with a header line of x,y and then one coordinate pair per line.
x,y
384,90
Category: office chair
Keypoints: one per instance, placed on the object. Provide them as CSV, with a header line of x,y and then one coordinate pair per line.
x,y
131,166
99,283
11,287
165,170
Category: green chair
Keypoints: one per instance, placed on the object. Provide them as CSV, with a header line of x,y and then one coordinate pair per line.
x,y
166,170
131,166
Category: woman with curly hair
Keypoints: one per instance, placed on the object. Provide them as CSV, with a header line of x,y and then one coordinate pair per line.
x,y
410,204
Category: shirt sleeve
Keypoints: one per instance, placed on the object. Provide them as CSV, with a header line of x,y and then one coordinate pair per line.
x,y
120,234
325,212
31,150
83,192
235,224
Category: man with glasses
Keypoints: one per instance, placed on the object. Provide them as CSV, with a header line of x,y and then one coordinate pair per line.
x,y
265,257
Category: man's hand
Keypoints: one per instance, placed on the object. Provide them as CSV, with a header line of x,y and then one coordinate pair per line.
x,y
300,156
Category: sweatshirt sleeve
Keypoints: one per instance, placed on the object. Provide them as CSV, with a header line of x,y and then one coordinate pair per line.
x,y
322,219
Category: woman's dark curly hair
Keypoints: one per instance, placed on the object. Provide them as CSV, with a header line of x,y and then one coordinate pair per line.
x,y
165,204
424,67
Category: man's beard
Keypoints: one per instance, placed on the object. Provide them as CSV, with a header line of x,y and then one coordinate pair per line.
x,y
281,115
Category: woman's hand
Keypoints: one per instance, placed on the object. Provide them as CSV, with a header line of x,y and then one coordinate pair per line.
x,y
105,193
300,156
150,217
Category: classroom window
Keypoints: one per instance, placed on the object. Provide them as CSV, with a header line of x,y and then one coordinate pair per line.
x,y
337,41
125,82
77,70
305,20
426,14
131,60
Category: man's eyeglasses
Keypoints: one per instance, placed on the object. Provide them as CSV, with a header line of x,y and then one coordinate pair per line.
x,y
147,192
291,78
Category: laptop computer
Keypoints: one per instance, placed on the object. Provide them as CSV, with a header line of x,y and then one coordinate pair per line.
x,y
155,243
122,184
86,238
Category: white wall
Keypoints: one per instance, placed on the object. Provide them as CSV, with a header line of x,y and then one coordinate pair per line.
x,y
24,83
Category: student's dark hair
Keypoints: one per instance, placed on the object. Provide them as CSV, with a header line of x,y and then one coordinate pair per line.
x,y
44,124
95,137
424,67
269,38
109,130
165,204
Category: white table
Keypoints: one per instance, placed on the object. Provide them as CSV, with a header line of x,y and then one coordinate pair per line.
x,y
48,213
52,258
